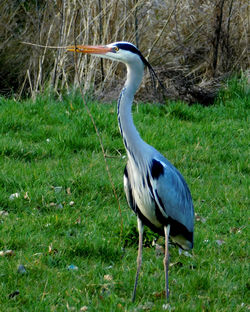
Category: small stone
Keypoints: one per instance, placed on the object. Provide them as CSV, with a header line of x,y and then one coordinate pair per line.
x,y
72,267
200,218
187,254
220,242
58,189
6,253
147,306
9,252
108,277
166,306
21,269
14,196
59,206
3,213
26,196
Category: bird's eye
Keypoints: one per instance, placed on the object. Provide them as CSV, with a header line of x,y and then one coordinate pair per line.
x,y
116,49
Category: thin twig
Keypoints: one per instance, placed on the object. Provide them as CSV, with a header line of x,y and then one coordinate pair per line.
x,y
100,140
42,46
101,145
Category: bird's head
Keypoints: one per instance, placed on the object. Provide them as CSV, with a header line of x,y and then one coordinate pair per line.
x,y
122,51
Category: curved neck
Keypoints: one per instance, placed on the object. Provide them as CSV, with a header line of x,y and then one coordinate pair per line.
x,y
131,138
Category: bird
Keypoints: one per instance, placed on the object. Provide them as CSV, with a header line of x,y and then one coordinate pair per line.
x,y
155,190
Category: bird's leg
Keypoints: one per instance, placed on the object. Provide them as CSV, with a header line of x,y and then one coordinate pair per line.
x,y
139,257
166,258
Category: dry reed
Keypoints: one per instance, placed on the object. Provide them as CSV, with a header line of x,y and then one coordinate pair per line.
x,y
192,44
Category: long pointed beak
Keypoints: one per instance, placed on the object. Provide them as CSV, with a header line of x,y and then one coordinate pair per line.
x,y
89,49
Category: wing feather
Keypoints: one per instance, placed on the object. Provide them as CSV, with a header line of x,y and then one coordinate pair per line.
x,y
171,193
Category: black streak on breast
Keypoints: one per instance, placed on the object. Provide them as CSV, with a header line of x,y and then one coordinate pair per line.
x,y
157,169
150,186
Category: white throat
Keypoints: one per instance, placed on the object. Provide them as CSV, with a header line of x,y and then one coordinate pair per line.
x,y
131,137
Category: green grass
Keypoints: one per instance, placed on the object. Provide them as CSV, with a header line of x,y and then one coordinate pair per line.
x,y
48,143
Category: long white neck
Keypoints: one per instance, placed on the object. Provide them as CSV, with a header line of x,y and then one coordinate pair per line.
x,y
131,138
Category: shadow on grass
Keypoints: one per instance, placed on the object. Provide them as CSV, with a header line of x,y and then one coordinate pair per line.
x,y
106,253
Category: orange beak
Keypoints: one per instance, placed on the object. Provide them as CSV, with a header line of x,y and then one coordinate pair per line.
x,y
89,49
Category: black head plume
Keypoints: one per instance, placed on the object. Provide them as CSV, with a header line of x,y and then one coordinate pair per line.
x,y
132,48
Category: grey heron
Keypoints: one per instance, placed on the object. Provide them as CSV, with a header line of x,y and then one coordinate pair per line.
x,y
154,188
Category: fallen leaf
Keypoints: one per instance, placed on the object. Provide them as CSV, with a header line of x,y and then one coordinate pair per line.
x,y
14,195
178,264
3,213
109,267
71,203
58,189
187,254
84,308
236,230
146,306
26,196
220,242
78,220
68,190
108,277
37,254
159,250
7,253
200,219
70,308
166,306
161,294
52,250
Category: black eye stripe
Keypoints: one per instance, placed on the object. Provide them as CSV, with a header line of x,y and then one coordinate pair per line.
x,y
133,49
128,47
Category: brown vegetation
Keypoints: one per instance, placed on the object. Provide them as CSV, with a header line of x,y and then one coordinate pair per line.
x,y
193,45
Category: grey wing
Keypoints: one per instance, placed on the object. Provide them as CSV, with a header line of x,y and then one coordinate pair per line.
x,y
171,193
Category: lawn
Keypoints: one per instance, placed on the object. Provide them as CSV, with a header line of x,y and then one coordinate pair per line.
x,y
62,247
